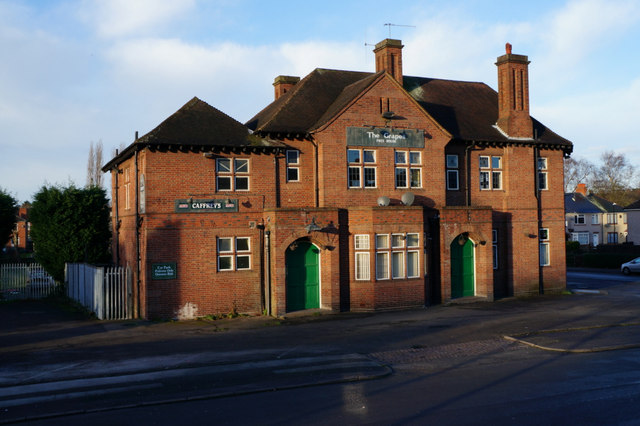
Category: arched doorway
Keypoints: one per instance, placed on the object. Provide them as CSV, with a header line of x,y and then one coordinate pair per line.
x,y
462,267
302,262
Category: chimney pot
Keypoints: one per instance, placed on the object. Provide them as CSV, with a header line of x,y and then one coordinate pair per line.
x,y
508,48
283,83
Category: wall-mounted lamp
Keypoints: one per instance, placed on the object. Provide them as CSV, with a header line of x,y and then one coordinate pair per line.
x,y
313,226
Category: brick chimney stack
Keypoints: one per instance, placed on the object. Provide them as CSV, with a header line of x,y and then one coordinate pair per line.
x,y
581,189
513,95
284,83
389,58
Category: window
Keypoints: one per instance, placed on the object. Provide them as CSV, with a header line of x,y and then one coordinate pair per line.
x,y
490,172
361,242
494,233
543,236
578,219
361,171
293,163
452,173
127,189
232,174
398,256
612,218
234,253
543,184
542,163
544,254
382,265
595,219
581,237
612,238
397,265
408,171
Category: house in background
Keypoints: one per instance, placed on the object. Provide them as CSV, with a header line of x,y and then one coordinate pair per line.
x,y
358,191
21,236
592,220
633,222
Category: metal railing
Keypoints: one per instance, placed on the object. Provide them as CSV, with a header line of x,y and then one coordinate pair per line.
x,y
25,281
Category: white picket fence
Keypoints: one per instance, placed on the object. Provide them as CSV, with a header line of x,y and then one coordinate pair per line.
x,y
105,291
25,281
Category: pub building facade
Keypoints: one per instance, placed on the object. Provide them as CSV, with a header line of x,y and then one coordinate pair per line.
x,y
351,191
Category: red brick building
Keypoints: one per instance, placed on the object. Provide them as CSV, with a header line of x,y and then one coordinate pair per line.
x,y
350,191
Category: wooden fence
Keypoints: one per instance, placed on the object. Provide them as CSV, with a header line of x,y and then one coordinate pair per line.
x,y
105,291
25,281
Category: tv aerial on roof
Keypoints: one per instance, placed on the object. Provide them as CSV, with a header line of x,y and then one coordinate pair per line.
x,y
397,25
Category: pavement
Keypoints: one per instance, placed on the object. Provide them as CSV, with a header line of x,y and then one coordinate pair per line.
x,y
47,347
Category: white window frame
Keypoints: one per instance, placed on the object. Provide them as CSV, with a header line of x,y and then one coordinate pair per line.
x,y
399,272
233,174
416,266
580,237
615,218
293,164
452,174
363,166
233,253
595,219
545,254
579,219
362,257
543,183
489,171
382,271
408,163
127,189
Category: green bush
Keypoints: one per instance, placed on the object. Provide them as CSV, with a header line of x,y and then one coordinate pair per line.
x,y
572,246
70,225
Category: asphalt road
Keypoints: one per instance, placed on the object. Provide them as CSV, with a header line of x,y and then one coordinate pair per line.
x,y
440,365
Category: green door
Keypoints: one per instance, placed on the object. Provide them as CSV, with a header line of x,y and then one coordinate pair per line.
x,y
303,278
462,269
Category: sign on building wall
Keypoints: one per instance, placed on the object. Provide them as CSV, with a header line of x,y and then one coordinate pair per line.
x,y
206,206
164,271
401,138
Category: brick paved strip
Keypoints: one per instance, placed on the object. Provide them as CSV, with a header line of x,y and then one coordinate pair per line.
x,y
442,352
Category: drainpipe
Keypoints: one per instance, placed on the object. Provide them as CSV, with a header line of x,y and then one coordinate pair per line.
x,y
467,162
136,312
268,271
536,155
116,218
262,268
316,179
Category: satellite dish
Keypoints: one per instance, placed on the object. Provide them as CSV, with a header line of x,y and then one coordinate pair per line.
x,y
407,198
383,201
388,115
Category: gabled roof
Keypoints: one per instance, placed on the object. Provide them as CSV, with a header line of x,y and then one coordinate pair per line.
x,y
315,98
197,125
467,110
575,202
605,205
633,206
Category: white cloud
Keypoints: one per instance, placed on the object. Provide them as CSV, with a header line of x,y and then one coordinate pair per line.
x,y
118,18
597,121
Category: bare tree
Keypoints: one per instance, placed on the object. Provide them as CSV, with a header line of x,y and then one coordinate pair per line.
x,y
94,165
577,170
613,179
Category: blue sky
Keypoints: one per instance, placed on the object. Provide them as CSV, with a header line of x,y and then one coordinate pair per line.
x,y
75,72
